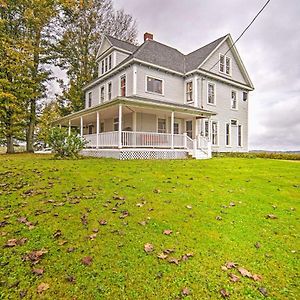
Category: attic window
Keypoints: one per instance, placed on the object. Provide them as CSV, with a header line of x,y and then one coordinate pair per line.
x,y
106,64
225,64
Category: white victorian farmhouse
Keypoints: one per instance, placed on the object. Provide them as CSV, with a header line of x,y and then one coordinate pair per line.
x,y
151,101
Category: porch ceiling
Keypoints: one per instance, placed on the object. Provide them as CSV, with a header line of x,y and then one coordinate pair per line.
x,y
137,104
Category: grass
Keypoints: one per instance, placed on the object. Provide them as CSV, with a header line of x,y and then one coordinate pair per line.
x,y
120,268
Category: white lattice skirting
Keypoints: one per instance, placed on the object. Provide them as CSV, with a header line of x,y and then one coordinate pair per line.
x,y
136,153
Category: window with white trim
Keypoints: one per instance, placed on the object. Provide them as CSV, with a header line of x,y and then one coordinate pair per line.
x,y
245,96
154,85
225,64
89,99
161,125
214,133
176,128
211,93
102,94
227,134
234,100
240,137
123,85
109,88
102,127
116,124
206,128
189,91
106,64
189,128
102,67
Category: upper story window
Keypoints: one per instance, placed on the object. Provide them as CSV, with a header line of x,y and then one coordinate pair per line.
x,y
89,99
161,126
189,91
109,89
123,85
154,85
211,93
245,96
106,64
102,94
225,64
234,100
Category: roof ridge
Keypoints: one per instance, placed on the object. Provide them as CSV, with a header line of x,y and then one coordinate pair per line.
x,y
110,36
222,37
164,45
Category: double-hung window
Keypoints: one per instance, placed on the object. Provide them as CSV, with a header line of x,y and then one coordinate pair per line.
x,y
225,64
161,125
89,99
227,134
206,128
109,62
214,133
211,93
116,124
189,128
189,91
102,67
109,88
240,135
102,94
234,100
154,85
123,85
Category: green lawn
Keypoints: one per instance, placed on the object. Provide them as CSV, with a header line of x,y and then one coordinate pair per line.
x,y
57,206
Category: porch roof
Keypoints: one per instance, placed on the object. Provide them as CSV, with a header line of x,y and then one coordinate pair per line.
x,y
135,101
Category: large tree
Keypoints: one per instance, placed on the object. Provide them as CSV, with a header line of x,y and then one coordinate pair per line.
x,y
16,85
77,50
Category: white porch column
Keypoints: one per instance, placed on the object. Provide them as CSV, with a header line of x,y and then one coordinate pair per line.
x,y
172,130
69,129
120,127
97,130
81,126
134,127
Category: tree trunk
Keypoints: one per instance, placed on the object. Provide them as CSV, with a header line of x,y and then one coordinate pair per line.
x,y
30,128
10,144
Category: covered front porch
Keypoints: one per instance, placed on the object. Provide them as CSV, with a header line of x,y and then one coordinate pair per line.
x,y
140,128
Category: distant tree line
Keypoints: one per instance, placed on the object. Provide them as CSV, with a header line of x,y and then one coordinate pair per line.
x,y
36,35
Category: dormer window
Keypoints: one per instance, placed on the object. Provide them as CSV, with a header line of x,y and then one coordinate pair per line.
x,y
225,64
106,64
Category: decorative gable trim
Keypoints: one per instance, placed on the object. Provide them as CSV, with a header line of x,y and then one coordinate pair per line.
x,y
236,55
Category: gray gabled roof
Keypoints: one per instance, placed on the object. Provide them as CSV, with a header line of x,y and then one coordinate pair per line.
x,y
121,44
195,58
165,56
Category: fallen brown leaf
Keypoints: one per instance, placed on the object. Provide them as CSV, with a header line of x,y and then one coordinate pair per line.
x,y
256,277
42,287
271,216
38,271
102,222
173,260
148,247
185,292
87,260
162,256
224,293
167,232
230,265
244,272
263,291
233,277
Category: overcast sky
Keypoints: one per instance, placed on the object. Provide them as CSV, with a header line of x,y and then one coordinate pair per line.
x,y
270,50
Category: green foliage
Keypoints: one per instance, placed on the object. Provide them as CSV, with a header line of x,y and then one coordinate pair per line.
x,y
49,114
65,145
83,25
271,155
73,196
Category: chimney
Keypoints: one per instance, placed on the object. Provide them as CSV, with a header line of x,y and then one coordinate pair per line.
x,y
148,36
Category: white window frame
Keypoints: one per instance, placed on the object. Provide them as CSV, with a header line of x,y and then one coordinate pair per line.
x,y
191,131
206,121
109,83
116,123
186,92
110,62
160,118
90,99
211,131
237,122
101,123
242,139
236,100
102,86
157,78
229,144
215,94
225,64
120,78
